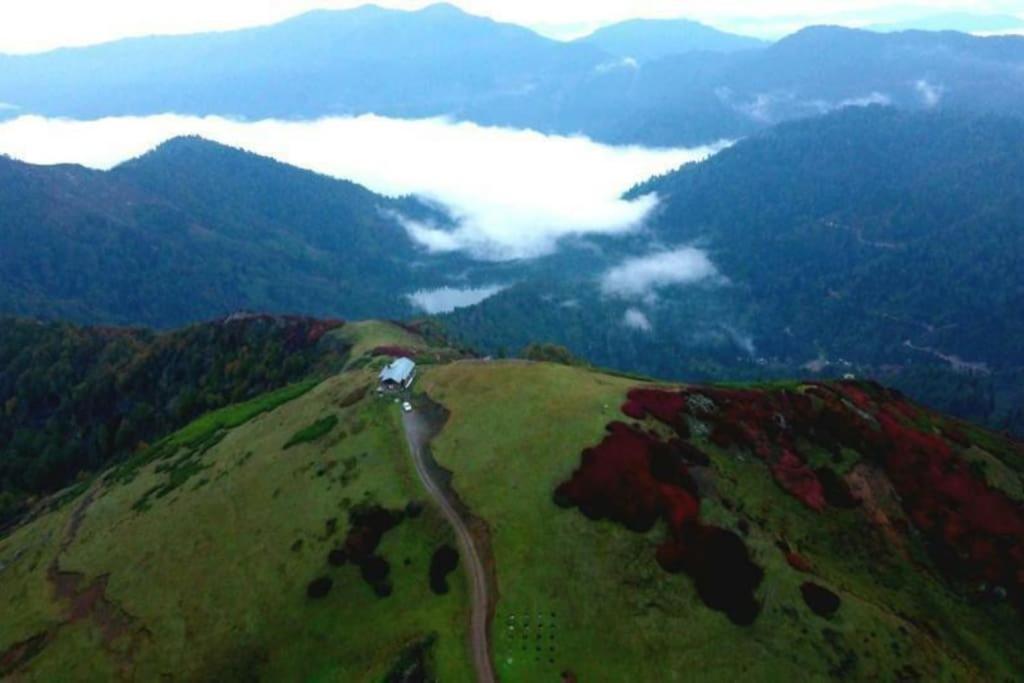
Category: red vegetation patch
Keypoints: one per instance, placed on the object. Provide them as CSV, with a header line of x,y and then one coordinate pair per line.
x,y
799,562
300,332
22,653
634,479
665,406
799,480
88,602
616,481
756,420
974,532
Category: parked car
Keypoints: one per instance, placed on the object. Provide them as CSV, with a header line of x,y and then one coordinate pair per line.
x,y
407,407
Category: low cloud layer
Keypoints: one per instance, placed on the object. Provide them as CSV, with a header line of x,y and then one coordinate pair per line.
x,y
513,193
773,107
640,278
636,319
931,94
447,299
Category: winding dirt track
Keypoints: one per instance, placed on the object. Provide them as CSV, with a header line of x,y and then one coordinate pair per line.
x,y
417,434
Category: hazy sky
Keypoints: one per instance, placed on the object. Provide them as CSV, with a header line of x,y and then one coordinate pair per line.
x,y
34,25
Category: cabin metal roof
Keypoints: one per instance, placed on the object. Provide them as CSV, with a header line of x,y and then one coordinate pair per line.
x,y
399,371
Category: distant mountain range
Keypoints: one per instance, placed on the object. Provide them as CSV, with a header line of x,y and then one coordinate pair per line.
x,y
645,40
955,21
657,83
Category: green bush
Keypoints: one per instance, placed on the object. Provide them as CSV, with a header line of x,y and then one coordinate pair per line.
x,y
313,432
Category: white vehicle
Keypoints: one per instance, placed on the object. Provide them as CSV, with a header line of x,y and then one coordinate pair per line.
x,y
407,407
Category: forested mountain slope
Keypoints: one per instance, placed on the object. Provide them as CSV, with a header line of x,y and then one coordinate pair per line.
x,y
74,399
194,230
870,241
865,229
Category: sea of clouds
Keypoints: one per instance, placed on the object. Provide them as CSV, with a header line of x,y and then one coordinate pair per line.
x,y
513,193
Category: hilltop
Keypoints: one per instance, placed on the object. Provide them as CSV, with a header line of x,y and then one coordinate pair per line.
x,y
76,399
645,40
194,230
632,530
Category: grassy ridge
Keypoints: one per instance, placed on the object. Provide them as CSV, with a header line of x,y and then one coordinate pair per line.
x,y
208,579
212,576
598,588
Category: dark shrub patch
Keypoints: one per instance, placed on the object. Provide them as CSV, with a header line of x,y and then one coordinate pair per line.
x,y
354,396
368,524
374,569
313,432
319,588
822,601
330,526
718,562
837,491
443,563
413,509
337,557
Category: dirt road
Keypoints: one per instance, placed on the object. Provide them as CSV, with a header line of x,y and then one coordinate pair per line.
x,y
417,433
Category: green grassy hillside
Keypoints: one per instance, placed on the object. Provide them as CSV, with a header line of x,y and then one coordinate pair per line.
x,y
217,553
207,579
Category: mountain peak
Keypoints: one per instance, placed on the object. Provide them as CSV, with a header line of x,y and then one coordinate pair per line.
x,y
650,39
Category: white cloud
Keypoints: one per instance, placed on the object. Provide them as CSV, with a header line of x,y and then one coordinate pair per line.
x,y
637,320
447,299
514,193
640,278
629,63
930,94
769,108
867,101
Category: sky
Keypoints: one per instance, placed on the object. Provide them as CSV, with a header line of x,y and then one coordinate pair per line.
x,y
545,188
37,25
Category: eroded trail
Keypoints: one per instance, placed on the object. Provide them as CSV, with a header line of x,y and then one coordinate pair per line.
x,y
417,433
